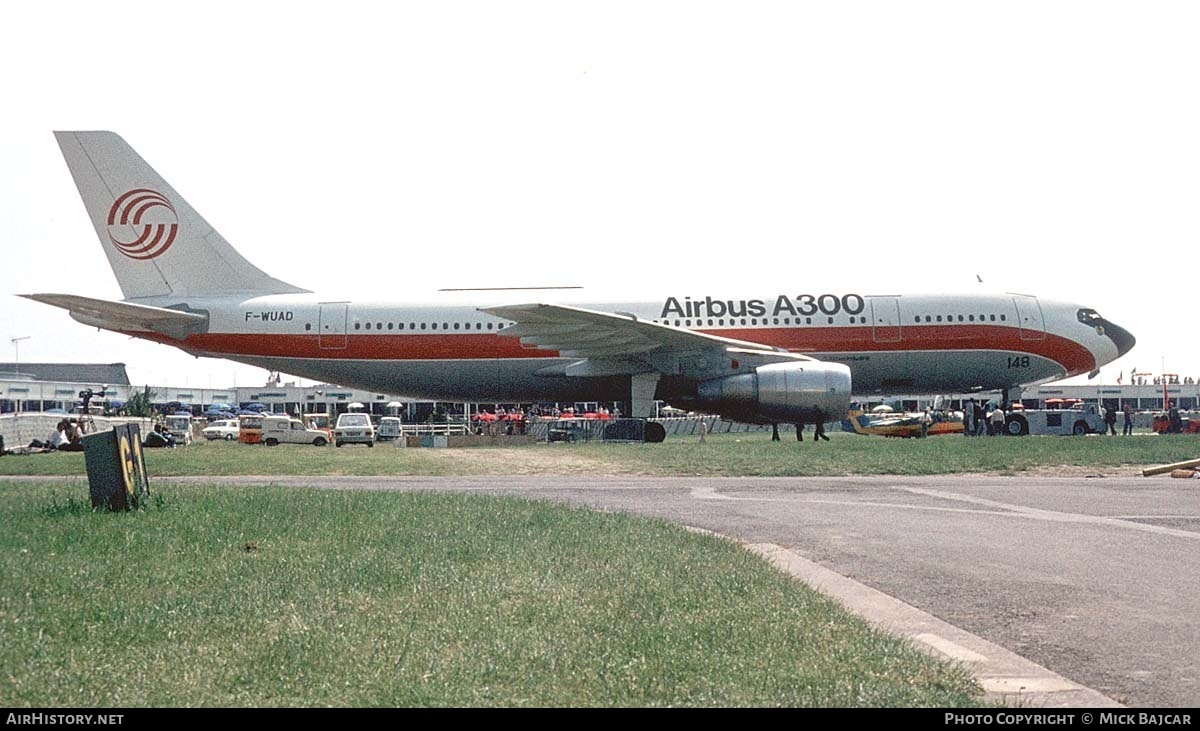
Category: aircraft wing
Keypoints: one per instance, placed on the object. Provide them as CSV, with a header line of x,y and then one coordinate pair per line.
x,y
125,316
625,344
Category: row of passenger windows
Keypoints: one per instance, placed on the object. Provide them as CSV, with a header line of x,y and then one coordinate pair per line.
x,y
712,322
830,320
752,321
422,326
961,318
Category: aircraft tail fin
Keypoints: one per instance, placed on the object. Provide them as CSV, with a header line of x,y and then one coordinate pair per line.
x,y
156,243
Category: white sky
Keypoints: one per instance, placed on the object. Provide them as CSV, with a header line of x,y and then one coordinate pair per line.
x,y
1052,148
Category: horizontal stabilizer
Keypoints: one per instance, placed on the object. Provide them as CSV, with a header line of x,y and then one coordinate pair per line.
x,y
126,316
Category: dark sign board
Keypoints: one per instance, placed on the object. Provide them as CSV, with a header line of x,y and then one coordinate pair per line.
x,y
116,468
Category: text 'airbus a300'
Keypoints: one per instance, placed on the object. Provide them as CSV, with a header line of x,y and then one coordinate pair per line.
x,y
783,355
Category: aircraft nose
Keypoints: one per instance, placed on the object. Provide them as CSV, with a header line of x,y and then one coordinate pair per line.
x,y
1121,337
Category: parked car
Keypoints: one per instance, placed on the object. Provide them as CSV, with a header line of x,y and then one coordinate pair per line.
x,y
570,430
286,430
389,428
227,430
354,428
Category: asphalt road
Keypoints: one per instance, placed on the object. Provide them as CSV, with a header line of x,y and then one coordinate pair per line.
x,y
1096,579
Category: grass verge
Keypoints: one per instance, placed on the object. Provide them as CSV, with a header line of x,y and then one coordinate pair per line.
x,y
266,596
727,455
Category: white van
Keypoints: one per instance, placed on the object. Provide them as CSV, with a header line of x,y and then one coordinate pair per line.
x,y
354,428
180,426
286,430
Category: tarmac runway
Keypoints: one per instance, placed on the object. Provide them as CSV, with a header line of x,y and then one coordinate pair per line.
x,y
1096,579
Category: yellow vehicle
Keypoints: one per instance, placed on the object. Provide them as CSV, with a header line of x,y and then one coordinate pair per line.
x,y
901,424
250,428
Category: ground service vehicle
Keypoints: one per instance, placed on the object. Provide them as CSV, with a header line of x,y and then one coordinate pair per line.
x,y
286,430
1161,424
901,424
250,428
180,426
1084,419
354,428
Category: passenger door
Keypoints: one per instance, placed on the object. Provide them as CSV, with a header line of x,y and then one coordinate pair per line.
x,y
331,330
1029,317
885,319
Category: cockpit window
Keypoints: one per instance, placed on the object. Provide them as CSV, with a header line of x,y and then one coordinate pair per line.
x,y
1090,317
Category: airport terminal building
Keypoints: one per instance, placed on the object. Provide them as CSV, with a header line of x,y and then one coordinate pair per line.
x,y
30,387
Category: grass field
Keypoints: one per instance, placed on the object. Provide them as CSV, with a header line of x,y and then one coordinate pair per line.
x,y
727,455
220,596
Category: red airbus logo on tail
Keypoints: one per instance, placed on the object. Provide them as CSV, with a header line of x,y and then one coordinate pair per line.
x,y
157,230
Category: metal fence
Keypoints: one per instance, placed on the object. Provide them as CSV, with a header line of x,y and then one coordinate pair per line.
x,y
588,430
634,429
441,430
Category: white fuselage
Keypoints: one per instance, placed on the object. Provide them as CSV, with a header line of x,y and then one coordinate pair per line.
x,y
186,286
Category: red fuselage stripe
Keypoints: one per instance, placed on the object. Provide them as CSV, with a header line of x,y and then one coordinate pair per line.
x,y
1074,357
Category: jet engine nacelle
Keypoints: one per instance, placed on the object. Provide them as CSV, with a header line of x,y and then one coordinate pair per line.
x,y
797,393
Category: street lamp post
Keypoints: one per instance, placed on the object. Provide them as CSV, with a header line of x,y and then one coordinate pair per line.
x,y
16,343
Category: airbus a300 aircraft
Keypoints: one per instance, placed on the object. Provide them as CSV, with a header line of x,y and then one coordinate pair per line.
x,y
782,355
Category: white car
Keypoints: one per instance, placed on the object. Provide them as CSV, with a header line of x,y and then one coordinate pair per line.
x,y
389,429
354,428
227,430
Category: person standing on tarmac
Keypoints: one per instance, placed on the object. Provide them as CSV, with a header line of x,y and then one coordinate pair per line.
x,y
996,420
1110,421
1174,421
